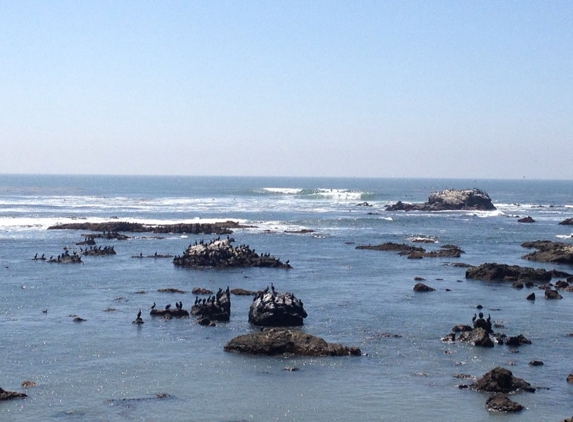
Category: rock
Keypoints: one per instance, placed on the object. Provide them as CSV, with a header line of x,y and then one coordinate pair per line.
x,y
421,287
170,312
552,294
28,384
531,296
9,395
461,327
567,222
171,290
122,226
501,380
516,341
478,337
66,258
99,251
548,251
570,378
215,308
504,272
273,309
243,292
281,341
415,252
536,363
501,403
526,220
517,285
301,231
449,338
201,291
220,253
449,200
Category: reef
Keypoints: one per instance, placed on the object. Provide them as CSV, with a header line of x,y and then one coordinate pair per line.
x,y
548,251
504,272
416,252
224,227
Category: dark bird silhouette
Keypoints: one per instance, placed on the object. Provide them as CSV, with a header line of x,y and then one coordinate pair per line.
x,y
139,314
167,307
153,306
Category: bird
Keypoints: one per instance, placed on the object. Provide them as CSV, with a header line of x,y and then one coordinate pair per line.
x,y
139,314
167,307
153,306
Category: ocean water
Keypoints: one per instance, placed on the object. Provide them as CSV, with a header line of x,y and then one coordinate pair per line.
x,y
108,369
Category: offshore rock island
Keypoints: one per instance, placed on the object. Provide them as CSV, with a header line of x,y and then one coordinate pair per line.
x,y
449,200
220,253
224,227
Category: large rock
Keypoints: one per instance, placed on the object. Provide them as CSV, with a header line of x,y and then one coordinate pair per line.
x,y
9,395
273,309
220,253
504,272
123,226
280,341
548,251
501,380
567,222
449,200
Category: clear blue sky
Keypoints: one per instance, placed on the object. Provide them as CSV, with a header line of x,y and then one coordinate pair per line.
x,y
288,88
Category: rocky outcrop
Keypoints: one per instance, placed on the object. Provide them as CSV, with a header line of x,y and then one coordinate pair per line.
x,y
501,403
513,341
416,252
548,251
220,253
169,311
98,251
273,309
9,395
214,308
123,226
504,272
567,222
501,380
526,220
449,200
281,341
552,294
66,258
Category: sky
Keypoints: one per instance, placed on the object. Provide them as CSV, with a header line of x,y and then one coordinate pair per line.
x,y
288,88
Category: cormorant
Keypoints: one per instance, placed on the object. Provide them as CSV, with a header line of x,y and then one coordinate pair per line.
x,y
153,306
167,307
139,314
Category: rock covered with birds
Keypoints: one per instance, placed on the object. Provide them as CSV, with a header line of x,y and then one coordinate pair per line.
x,y
214,308
273,309
220,253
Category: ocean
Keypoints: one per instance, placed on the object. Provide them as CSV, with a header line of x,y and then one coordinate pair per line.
x,y
108,369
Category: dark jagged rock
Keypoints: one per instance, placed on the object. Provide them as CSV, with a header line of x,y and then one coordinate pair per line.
x,y
99,251
110,235
461,327
449,200
88,241
215,308
531,296
513,341
526,220
552,294
504,272
220,253
501,403
548,251
478,337
501,380
281,341
415,252
10,395
421,287
171,290
536,363
567,222
111,226
273,309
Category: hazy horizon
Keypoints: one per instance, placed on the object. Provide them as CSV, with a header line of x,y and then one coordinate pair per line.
x,y
369,89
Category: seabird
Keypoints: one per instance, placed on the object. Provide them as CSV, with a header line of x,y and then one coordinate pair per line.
x,y
139,314
167,307
153,306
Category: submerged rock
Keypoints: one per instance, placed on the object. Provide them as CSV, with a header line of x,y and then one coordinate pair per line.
x,y
273,309
280,341
449,200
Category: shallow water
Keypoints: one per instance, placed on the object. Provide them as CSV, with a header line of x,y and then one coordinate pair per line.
x,y
107,369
